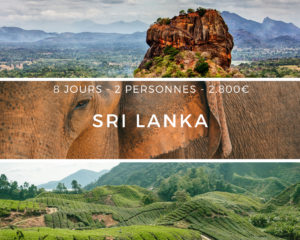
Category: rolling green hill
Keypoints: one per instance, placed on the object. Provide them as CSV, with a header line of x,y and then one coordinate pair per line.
x,y
265,188
240,203
290,195
151,174
120,196
161,220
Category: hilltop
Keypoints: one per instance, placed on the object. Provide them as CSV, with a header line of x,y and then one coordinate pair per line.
x,y
264,180
193,44
120,196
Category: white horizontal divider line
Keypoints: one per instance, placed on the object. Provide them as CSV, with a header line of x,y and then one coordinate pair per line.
x,y
148,79
162,160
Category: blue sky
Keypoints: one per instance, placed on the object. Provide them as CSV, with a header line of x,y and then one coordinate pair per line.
x,y
42,171
35,13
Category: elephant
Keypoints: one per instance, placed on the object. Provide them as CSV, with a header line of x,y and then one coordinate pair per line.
x,y
46,119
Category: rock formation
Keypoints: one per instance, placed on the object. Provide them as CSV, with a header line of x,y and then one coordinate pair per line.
x,y
205,35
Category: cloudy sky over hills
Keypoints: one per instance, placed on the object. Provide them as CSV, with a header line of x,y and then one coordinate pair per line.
x,y
32,14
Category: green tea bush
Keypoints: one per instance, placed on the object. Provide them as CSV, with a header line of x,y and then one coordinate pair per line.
x,y
259,220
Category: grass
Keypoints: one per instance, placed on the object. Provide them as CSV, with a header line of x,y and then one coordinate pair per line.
x,y
128,233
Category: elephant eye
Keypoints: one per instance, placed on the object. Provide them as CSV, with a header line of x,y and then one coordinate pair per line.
x,y
81,104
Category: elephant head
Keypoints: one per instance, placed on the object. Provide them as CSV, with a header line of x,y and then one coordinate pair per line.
x,y
40,120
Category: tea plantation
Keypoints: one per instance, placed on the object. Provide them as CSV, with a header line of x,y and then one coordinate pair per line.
x,y
117,212
120,196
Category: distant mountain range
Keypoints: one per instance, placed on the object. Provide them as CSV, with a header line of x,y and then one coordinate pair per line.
x,y
82,176
115,27
246,33
14,34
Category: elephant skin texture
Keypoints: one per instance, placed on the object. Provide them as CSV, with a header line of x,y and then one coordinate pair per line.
x,y
36,122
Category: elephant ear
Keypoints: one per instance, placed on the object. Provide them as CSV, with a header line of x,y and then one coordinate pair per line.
x,y
219,144
150,142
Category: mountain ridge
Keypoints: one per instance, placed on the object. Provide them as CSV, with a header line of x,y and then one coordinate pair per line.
x,y
83,177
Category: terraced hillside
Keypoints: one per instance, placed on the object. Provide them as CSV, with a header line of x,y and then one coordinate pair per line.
x,y
78,215
239,203
22,213
289,196
120,196
213,220
261,187
200,218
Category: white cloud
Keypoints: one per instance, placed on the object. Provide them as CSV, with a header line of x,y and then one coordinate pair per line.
x,y
18,12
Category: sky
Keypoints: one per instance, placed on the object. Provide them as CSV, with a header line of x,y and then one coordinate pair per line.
x,y
42,171
36,14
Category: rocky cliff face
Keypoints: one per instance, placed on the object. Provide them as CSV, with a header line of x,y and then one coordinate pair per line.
x,y
207,34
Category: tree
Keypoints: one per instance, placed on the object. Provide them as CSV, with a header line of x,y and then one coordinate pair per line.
x,y
190,10
32,191
59,187
4,184
202,68
182,12
64,188
26,185
148,199
75,186
181,196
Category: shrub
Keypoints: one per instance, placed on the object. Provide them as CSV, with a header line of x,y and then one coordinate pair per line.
x,y
158,20
259,220
268,208
180,74
198,54
190,10
148,199
168,21
190,73
201,11
167,75
182,65
148,64
171,51
136,71
158,60
202,68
